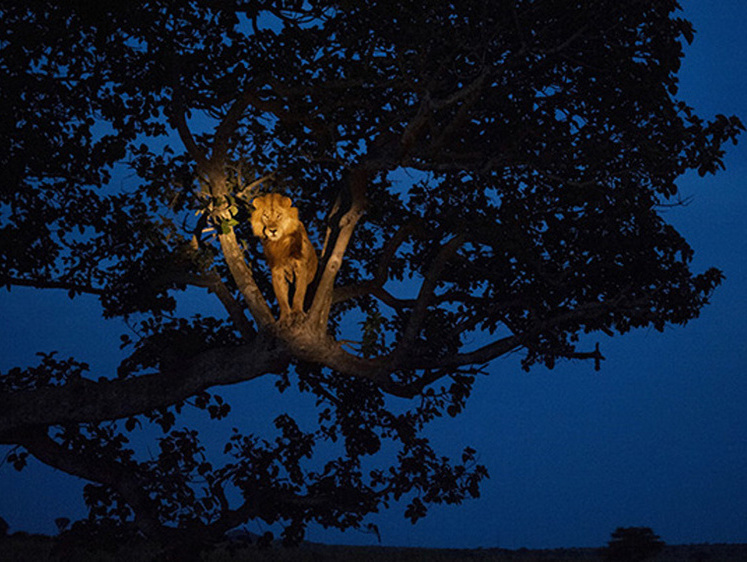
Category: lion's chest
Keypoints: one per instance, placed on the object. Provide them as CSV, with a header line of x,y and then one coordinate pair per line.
x,y
287,252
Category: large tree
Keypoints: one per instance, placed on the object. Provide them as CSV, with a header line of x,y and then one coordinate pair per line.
x,y
479,178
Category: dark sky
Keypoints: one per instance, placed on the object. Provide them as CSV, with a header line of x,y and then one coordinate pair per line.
x,y
658,438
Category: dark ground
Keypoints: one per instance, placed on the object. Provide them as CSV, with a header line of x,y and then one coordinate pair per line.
x,y
36,548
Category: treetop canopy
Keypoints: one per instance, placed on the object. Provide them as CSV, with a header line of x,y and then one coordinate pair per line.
x,y
469,171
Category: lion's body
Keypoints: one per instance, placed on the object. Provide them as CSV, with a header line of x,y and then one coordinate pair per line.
x,y
287,247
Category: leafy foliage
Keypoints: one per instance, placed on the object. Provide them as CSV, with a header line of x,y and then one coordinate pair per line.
x,y
486,177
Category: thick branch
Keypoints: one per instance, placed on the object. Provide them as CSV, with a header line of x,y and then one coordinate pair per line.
x,y
241,273
358,182
329,353
88,401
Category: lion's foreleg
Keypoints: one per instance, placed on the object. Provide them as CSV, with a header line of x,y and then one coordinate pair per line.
x,y
302,282
280,286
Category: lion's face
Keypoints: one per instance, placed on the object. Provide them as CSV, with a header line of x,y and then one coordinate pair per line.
x,y
273,216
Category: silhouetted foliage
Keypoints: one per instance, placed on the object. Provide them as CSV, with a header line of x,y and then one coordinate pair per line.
x,y
479,177
632,544
62,523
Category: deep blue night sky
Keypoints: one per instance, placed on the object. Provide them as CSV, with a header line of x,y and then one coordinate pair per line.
x,y
657,438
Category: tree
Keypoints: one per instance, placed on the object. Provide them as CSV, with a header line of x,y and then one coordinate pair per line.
x,y
633,544
486,172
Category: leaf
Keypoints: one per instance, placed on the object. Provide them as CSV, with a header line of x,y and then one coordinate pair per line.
x,y
227,225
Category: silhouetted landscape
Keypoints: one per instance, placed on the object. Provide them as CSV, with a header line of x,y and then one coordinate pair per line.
x,y
22,547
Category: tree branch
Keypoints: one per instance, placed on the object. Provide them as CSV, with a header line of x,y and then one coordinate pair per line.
x,y
8,281
124,480
228,126
596,355
89,401
319,312
103,471
480,356
197,154
241,273
425,295
374,288
379,369
376,285
235,312
212,281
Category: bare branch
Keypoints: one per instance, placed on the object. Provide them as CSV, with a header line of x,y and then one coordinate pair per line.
x,y
596,355
69,286
480,356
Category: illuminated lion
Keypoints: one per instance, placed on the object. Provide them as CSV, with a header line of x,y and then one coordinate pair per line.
x,y
287,247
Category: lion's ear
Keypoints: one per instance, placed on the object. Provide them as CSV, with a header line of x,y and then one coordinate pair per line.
x,y
286,201
257,202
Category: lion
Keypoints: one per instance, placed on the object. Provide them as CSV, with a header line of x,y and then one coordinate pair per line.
x,y
289,252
